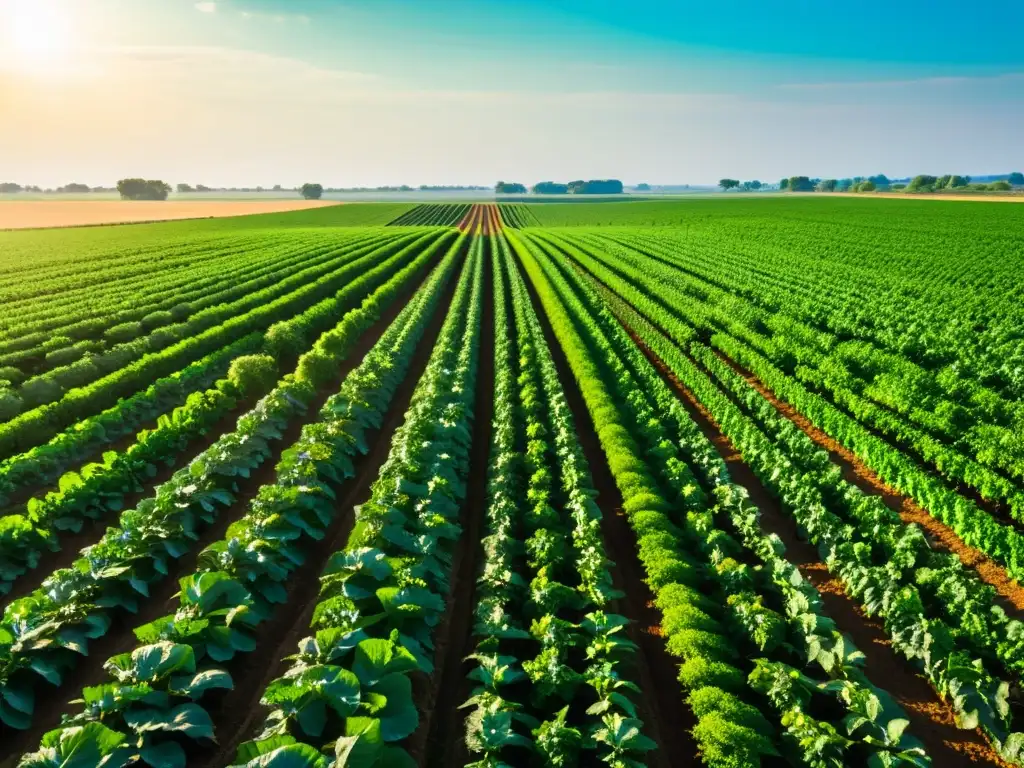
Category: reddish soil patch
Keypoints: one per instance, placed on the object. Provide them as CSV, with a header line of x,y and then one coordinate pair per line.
x,y
441,720
38,214
856,472
931,720
667,720
120,638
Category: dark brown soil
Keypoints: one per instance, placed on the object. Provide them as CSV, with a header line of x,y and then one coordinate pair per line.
x,y
240,715
439,698
931,720
856,472
667,720
52,703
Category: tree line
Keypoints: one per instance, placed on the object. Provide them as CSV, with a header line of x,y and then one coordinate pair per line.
x,y
577,187
921,183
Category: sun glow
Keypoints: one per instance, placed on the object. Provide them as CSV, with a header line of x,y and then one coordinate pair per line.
x,y
35,35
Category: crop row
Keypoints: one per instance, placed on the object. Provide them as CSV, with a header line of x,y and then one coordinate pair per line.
x,y
765,671
552,663
938,614
433,215
133,341
43,633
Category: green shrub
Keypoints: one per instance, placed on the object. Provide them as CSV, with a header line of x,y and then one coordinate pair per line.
x,y
57,342
710,700
679,594
253,375
65,356
40,390
688,643
76,375
652,522
12,374
316,368
683,617
164,337
156,320
699,672
122,333
180,312
10,404
283,341
724,744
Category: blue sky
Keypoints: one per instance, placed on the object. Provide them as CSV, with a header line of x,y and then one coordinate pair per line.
x,y
365,92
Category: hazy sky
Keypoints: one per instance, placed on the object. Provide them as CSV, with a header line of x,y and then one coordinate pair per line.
x,y
370,92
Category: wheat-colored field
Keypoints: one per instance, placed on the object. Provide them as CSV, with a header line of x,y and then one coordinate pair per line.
x,y
34,214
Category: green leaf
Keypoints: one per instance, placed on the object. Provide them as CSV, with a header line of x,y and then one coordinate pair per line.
x,y
169,754
398,717
196,685
188,719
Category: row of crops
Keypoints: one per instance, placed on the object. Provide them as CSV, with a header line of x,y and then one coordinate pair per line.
x,y
466,490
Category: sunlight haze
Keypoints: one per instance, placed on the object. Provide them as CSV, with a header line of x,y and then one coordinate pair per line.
x,y
246,92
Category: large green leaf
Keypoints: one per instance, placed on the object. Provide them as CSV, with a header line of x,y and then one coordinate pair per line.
x,y
189,719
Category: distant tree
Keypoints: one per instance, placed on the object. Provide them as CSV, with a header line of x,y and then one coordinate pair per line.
x,y
312,191
827,185
9,188
203,188
922,183
800,184
143,189
844,185
881,180
727,184
754,184
1000,186
595,187
277,188
33,188
510,188
958,181
184,189
1016,179
75,189
784,184
549,188
647,187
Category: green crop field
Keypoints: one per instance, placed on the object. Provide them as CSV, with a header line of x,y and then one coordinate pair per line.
x,y
722,482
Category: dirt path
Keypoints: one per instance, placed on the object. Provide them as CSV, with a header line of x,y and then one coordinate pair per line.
x,y
39,214
441,720
931,720
120,637
667,720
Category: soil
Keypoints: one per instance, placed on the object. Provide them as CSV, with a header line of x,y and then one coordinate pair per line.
x,y
239,714
931,720
38,214
120,637
667,720
441,720
856,472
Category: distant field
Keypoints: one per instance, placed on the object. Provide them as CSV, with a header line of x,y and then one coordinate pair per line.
x,y
35,214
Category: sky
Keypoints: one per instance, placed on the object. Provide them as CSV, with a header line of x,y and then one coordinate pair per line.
x,y
377,92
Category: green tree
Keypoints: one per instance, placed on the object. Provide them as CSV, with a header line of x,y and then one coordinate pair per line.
x,y
1000,186
827,185
510,188
866,186
784,184
185,188
143,189
922,183
727,184
800,184
1016,179
312,191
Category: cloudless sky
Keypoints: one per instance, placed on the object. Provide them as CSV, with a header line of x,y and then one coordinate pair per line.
x,y
368,92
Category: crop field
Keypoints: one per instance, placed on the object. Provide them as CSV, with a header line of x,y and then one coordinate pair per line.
x,y
730,483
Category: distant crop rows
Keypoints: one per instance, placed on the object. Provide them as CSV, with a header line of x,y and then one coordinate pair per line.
x,y
728,487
